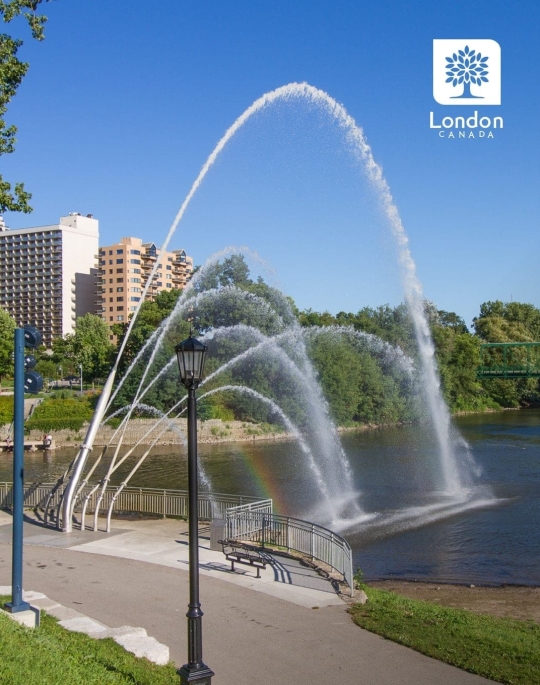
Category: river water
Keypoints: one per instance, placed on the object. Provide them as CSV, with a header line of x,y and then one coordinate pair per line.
x,y
392,469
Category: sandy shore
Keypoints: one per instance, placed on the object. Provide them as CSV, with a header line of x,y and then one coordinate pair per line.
x,y
507,601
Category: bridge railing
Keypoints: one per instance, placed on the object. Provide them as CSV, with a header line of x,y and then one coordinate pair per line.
x,y
509,360
291,534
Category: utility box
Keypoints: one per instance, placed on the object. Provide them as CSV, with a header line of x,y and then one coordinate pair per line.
x,y
217,532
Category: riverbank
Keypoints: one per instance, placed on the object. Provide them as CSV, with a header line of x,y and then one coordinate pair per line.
x,y
211,431
505,601
144,432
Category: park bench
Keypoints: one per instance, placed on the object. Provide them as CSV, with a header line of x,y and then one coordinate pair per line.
x,y
238,553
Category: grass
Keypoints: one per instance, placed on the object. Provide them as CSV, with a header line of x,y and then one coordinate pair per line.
x,y
52,655
504,650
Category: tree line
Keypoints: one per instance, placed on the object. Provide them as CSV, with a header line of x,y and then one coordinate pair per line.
x,y
360,381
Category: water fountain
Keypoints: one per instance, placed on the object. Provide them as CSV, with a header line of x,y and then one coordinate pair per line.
x,y
455,465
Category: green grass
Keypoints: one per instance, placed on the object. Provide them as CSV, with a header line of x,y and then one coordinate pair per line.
x,y
61,411
504,650
49,654
6,409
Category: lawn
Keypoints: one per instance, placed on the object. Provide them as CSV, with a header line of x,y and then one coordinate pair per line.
x,y
501,649
49,654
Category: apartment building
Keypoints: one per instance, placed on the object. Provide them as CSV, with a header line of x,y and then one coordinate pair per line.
x,y
124,270
48,273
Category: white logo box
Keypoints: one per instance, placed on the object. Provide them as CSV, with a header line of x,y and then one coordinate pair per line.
x,y
452,60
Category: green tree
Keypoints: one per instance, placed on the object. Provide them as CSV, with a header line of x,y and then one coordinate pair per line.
x,y
7,328
89,346
150,316
12,72
509,322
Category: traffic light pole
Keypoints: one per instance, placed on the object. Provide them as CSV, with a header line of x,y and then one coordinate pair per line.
x,y
17,603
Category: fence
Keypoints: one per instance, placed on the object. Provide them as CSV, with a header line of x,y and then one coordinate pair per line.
x,y
139,500
247,518
262,526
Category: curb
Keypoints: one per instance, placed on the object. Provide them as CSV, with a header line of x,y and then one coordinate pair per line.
x,y
134,640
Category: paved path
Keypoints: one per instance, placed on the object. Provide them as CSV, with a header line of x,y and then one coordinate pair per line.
x,y
253,629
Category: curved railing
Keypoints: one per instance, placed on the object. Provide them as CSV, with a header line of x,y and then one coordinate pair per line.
x,y
248,522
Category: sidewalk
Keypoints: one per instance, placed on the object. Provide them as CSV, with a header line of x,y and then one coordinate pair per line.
x,y
287,626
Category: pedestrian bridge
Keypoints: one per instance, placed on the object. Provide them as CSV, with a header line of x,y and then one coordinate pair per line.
x,y
509,360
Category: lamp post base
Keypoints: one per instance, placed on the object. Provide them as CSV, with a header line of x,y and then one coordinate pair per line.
x,y
195,673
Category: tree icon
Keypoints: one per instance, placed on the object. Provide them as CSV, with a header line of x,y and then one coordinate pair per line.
x,y
466,67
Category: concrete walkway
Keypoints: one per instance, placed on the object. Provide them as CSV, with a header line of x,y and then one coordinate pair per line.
x,y
288,626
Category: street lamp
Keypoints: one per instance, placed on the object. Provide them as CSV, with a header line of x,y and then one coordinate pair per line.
x,y
80,369
191,354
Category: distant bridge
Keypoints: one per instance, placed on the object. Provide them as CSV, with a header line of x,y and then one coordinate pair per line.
x,y
509,360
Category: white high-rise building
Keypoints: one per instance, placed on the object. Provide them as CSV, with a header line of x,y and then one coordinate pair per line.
x,y
48,274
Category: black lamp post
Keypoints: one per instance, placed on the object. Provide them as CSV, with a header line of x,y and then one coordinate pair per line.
x,y
191,354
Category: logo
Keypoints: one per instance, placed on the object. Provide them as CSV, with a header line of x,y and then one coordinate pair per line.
x,y
467,71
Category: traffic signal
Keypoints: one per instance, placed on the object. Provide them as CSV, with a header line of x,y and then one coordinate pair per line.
x,y
33,381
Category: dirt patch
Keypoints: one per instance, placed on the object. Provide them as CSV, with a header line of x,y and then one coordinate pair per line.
x,y
507,601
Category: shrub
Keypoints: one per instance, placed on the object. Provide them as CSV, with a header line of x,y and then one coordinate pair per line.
x,y
64,412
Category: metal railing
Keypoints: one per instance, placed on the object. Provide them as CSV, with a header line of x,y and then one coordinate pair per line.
x,y
291,534
130,500
247,518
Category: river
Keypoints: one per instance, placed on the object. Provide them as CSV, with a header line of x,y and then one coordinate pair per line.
x,y
493,545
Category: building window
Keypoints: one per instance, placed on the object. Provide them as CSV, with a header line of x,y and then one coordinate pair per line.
x,y
110,290
119,271
110,251
135,280
159,284
120,317
119,290
120,251
111,309
135,261
120,308
111,299
119,261
110,261
133,308
168,267
120,299
135,299
135,252
168,277
110,271
111,318
169,285
119,280
110,280
136,271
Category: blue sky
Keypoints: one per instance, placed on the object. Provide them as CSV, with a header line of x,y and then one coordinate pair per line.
x,y
125,100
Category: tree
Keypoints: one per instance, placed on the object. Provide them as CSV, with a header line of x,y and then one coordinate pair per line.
x,y
465,67
7,328
89,346
12,72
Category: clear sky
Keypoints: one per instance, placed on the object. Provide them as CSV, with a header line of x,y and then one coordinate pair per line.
x,y
125,100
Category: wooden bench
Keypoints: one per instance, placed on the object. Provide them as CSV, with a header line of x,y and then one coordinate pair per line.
x,y
238,553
